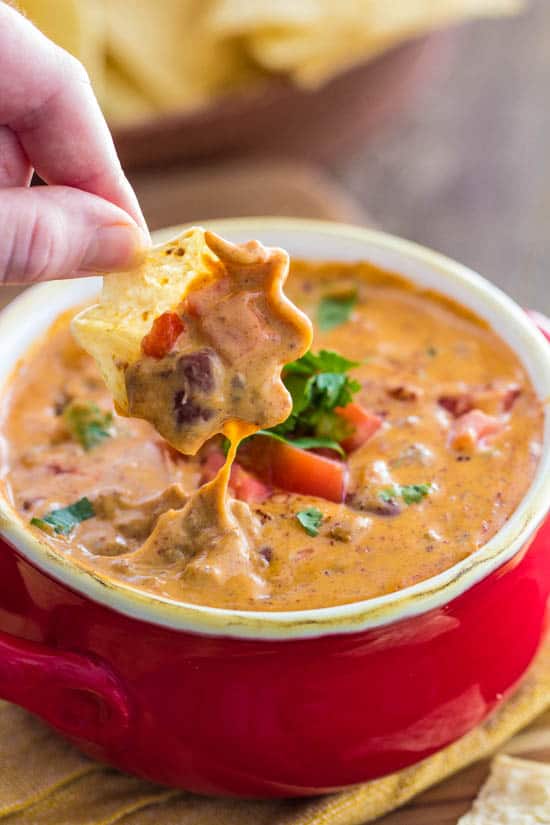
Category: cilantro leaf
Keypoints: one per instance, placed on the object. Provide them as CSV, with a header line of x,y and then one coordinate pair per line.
x,y
66,518
327,388
413,493
300,389
311,520
388,494
335,310
410,493
312,443
305,443
325,360
318,383
327,424
331,390
87,424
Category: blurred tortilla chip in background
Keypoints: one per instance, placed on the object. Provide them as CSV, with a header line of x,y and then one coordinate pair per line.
x,y
78,26
168,55
312,40
147,58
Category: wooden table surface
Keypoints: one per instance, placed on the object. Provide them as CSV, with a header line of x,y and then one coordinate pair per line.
x,y
445,803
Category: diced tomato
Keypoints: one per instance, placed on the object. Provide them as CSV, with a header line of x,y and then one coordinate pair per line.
x,y
404,392
58,469
162,336
246,486
493,399
365,425
243,485
470,429
498,397
298,471
458,404
509,398
212,464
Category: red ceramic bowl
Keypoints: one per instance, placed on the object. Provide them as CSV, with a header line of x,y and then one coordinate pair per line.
x,y
277,704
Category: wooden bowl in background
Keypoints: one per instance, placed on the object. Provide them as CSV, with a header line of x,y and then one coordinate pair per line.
x,y
280,118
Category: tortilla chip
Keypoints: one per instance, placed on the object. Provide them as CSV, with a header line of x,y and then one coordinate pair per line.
x,y
168,54
146,57
195,340
112,331
516,793
312,41
126,103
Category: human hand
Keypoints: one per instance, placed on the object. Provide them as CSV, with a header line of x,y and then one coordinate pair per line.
x,y
87,219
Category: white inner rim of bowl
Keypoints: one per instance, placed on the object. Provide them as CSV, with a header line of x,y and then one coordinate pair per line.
x,y
32,313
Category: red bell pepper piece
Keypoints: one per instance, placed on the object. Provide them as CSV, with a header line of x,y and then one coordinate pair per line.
x,y
243,485
469,429
162,336
290,468
365,424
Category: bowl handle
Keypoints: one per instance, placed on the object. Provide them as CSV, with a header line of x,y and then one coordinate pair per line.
x,y
76,694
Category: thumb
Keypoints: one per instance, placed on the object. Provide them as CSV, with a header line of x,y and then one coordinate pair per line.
x,y
58,232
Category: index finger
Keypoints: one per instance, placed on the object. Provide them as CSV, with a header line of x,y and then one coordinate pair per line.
x,y
47,100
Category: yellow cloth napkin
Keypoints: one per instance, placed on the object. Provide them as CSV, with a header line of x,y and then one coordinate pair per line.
x,y
44,781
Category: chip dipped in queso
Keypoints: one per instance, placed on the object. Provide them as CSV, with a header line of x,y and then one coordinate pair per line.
x,y
403,437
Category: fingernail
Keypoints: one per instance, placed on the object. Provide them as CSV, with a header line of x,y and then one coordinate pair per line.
x,y
119,246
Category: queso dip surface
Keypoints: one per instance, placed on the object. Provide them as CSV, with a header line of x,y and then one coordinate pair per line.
x,y
456,446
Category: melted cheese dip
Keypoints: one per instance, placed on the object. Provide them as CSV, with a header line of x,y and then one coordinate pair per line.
x,y
425,365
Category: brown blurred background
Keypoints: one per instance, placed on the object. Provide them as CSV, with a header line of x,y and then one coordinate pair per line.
x,y
466,169
436,132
